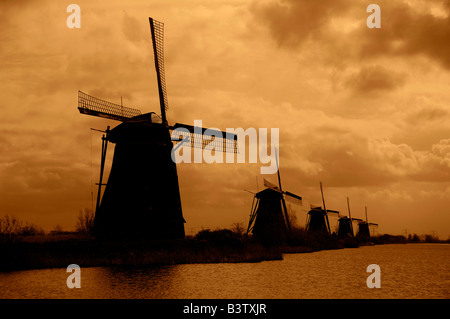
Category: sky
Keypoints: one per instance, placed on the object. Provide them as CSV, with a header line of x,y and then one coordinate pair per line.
x,y
363,110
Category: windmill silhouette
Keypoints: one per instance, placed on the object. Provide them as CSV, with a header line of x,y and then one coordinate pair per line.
x,y
363,227
269,219
345,223
142,195
317,218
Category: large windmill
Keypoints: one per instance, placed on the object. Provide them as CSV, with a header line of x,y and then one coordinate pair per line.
x,y
363,227
317,218
269,219
142,196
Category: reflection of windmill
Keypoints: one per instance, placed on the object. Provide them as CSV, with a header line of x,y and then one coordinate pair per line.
x,y
317,219
142,196
269,218
363,227
345,223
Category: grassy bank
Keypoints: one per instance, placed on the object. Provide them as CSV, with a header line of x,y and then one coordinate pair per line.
x,y
219,246
40,251
89,252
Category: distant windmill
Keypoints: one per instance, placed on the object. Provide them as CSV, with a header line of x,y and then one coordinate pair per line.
x,y
142,196
345,223
269,218
317,218
363,227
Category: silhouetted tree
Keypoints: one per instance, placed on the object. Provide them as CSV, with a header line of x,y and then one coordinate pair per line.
x,y
85,223
12,229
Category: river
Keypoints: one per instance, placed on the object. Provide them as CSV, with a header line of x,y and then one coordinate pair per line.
x,y
411,271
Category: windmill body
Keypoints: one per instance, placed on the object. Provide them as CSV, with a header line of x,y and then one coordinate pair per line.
x,y
363,230
270,225
345,223
142,196
345,226
269,219
317,218
363,227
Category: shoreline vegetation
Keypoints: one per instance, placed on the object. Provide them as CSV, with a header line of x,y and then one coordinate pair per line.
x,y
27,247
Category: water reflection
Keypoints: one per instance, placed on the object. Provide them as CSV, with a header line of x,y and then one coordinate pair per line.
x,y
407,271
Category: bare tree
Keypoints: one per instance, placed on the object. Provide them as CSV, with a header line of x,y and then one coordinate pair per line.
x,y
85,223
12,228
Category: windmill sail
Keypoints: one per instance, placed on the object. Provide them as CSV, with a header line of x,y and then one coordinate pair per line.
x,y
290,197
157,31
295,199
90,105
269,184
200,137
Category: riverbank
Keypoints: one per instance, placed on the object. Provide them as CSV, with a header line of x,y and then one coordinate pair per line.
x,y
89,252
220,246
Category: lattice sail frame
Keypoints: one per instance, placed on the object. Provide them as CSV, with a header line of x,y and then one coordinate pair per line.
x,y
157,31
210,139
90,105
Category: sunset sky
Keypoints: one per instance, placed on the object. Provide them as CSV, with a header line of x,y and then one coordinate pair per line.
x,y
365,111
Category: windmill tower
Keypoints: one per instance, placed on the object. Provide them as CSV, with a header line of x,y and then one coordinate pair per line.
x,y
142,195
269,219
363,227
317,218
345,223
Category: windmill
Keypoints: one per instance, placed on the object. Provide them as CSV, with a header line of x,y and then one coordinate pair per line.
x,y
142,195
317,218
269,219
363,227
345,223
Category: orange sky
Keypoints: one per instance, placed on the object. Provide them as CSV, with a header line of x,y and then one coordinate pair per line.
x,y
365,111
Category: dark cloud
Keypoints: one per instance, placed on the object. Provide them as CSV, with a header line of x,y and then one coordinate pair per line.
x,y
133,30
405,30
292,22
408,31
372,79
427,115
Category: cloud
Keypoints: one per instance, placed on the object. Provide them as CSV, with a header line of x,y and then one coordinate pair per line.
x,y
407,30
358,109
291,22
372,79
428,115
339,28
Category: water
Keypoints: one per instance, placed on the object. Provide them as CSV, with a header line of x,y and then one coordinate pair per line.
x,y
407,271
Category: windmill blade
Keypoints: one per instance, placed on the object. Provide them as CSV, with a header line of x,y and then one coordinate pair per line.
x,y
200,137
90,105
286,215
278,170
332,211
324,207
270,185
157,31
323,198
349,214
295,199
373,224
253,213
